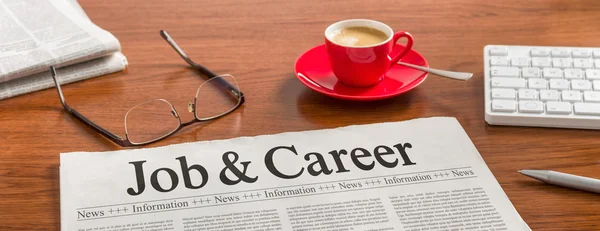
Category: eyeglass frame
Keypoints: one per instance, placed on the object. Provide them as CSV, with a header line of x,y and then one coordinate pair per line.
x,y
126,142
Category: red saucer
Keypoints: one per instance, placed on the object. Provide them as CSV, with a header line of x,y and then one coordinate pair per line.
x,y
313,70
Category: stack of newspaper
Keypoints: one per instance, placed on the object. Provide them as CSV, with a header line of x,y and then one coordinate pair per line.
x,y
35,35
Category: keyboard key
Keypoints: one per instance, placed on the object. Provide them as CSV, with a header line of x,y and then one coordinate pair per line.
x,y
540,52
597,54
571,96
563,53
505,72
528,94
591,96
592,74
531,72
531,106
548,95
541,62
573,74
552,73
537,84
519,62
582,85
498,61
597,63
499,51
508,82
558,108
596,85
587,108
582,63
581,53
559,84
561,62
504,105
502,93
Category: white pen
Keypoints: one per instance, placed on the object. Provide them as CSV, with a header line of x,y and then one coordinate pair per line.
x,y
564,180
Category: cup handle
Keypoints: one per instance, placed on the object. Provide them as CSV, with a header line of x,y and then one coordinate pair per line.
x,y
409,44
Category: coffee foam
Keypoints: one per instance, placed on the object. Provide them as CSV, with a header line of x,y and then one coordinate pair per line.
x,y
334,29
358,36
348,41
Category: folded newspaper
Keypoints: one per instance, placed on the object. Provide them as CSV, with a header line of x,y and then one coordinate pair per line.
x,y
423,174
35,35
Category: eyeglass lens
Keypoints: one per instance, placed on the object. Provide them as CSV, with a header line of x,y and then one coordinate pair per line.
x,y
150,121
214,98
156,119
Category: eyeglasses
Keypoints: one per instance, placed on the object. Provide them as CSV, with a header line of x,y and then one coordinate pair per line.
x,y
157,119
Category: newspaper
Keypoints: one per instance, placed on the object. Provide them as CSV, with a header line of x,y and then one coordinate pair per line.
x,y
37,34
75,72
69,74
423,174
78,9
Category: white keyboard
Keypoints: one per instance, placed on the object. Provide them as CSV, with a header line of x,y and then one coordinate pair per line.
x,y
542,86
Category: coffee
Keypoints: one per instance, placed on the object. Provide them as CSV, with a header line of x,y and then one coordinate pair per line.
x,y
358,36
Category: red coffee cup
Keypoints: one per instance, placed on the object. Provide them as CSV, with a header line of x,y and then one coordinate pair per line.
x,y
364,66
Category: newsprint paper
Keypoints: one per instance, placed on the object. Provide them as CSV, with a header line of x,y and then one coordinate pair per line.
x,y
423,174
38,34
27,20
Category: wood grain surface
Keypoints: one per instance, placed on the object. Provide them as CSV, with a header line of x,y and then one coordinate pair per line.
x,y
258,41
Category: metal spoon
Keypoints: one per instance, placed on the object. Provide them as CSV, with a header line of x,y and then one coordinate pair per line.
x,y
447,74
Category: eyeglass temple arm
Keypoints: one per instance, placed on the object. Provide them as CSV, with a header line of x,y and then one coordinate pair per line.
x,y
109,135
199,67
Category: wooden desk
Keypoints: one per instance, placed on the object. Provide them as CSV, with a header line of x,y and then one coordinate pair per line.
x,y
258,42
